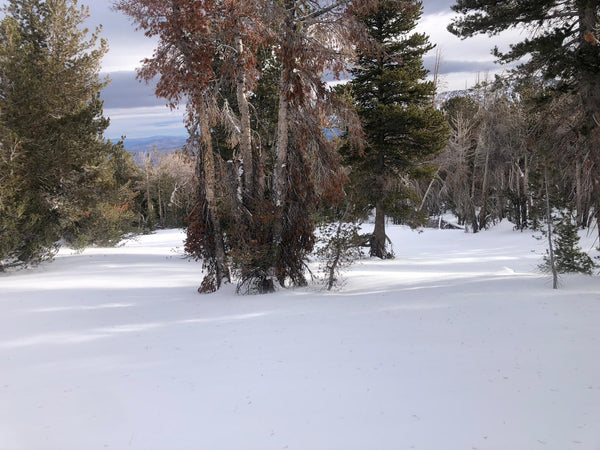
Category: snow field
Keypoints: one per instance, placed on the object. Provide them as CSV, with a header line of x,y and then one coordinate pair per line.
x,y
458,343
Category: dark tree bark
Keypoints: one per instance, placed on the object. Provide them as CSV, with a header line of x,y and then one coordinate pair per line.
x,y
379,238
549,232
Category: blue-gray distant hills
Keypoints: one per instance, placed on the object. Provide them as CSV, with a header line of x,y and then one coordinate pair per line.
x,y
163,144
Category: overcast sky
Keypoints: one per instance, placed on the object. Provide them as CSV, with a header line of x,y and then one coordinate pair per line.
x,y
135,112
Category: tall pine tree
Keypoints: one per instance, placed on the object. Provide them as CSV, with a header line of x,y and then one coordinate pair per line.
x,y
53,154
395,104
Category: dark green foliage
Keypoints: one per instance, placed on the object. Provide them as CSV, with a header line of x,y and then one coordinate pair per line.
x,y
395,104
568,255
551,47
56,167
110,211
265,99
461,107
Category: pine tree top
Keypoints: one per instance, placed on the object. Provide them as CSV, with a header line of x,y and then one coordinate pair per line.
x,y
395,105
560,40
391,71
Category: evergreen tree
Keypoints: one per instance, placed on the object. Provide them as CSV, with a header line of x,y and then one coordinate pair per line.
x,y
395,104
13,201
568,256
54,156
109,207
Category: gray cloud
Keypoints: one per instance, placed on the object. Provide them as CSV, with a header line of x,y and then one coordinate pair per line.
x,y
453,66
437,6
114,24
145,121
125,91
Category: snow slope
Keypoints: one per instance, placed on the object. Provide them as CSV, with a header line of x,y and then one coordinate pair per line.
x,y
458,343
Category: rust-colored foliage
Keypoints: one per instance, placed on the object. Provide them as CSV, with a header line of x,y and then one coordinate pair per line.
x,y
261,211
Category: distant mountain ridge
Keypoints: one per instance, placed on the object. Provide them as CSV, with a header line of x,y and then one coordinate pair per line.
x,y
443,97
163,144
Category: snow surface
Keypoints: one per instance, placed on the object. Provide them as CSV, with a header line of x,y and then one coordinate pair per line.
x,y
458,343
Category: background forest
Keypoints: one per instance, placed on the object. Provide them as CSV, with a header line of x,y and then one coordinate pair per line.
x,y
275,153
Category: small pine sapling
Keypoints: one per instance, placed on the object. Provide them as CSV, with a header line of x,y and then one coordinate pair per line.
x,y
342,245
570,258
568,255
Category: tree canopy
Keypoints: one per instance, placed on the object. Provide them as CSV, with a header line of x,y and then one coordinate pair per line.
x,y
560,43
55,162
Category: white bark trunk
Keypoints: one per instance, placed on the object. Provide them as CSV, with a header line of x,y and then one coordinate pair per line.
x,y
280,170
245,127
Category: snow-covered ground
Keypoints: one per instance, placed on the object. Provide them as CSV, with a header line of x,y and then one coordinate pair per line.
x,y
457,344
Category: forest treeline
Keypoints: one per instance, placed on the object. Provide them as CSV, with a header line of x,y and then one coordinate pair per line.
x,y
274,151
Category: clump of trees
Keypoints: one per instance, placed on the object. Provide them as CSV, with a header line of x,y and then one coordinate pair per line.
x,y
267,129
526,147
58,176
165,187
488,169
506,141
562,51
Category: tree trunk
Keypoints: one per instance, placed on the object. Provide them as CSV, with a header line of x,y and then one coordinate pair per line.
x,y
526,206
578,193
549,227
484,193
149,207
433,179
472,212
160,204
589,92
208,160
378,240
598,228
517,196
245,126
501,198
281,153
473,215
473,180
